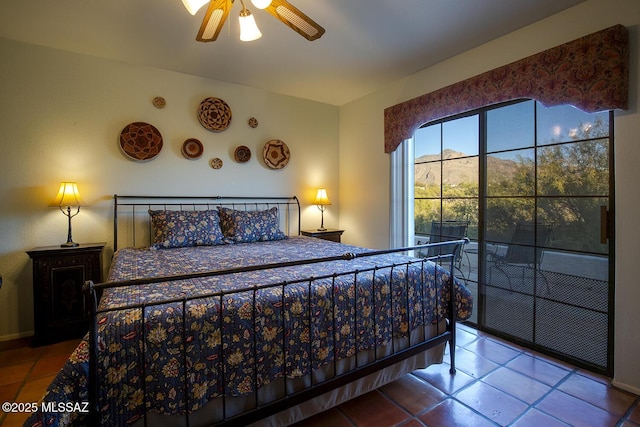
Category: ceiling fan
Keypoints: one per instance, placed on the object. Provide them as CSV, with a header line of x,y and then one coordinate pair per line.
x,y
218,11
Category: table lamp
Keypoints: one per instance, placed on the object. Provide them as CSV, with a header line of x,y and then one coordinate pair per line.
x,y
68,197
322,201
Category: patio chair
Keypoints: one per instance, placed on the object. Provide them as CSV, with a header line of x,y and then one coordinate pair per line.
x,y
446,231
524,253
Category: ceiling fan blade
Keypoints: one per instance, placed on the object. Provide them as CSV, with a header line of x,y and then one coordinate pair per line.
x,y
214,20
296,20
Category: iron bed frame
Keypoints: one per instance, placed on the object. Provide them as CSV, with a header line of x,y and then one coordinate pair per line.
x,y
289,399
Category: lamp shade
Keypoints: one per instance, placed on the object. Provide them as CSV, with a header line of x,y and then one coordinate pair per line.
x,y
248,29
193,6
321,197
68,195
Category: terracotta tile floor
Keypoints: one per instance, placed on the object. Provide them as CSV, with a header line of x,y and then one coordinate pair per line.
x,y
26,372
497,383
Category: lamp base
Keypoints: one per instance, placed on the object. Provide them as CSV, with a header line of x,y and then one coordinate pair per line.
x,y
69,245
322,229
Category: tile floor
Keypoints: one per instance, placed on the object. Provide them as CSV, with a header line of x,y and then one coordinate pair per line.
x,y
26,372
497,383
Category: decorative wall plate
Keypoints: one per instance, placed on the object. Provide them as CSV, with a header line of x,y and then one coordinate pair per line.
x,y
192,149
216,163
242,154
214,114
159,102
253,122
276,154
140,141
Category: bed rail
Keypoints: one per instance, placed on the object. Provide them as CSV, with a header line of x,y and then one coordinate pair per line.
x,y
291,399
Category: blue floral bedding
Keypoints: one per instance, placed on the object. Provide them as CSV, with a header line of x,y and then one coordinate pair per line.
x,y
259,335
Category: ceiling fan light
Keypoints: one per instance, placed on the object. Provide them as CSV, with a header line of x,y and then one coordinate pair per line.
x,y
248,29
261,4
193,6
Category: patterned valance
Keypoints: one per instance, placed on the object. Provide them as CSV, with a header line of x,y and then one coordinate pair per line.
x,y
591,73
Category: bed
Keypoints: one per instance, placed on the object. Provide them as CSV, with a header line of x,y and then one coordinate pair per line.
x,y
226,315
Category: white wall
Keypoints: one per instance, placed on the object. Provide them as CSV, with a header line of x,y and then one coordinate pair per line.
x,y
61,115
364,168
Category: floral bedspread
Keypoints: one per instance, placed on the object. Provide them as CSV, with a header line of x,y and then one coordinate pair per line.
x,y
261,333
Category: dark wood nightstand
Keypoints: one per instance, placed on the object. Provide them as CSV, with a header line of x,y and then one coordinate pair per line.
x,y
59,308
329,234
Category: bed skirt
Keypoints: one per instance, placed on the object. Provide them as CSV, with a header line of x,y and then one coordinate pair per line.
x,y
213,410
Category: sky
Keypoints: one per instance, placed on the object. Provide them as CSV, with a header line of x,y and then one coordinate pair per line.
x,y
507,128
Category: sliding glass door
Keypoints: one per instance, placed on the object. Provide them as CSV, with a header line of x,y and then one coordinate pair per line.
x,y
534,185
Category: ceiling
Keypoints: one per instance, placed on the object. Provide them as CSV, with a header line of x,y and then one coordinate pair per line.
x,y
368,44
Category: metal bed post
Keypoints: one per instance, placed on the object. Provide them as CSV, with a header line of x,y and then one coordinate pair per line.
x,y
223,371
115,222
373,307
298,204
94,407
453,313
184,363
143,362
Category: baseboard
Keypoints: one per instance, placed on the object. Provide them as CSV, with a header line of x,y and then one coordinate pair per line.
x,y
626,387
14,340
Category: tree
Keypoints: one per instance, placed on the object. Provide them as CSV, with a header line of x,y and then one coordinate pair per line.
x,y
572,181
564,185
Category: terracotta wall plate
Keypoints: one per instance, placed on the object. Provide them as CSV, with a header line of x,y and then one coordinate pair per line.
x,y
192,149
214,114
242,154
216,163
140,141
159,102
276,154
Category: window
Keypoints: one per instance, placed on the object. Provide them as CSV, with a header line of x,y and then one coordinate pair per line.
x,y
446,171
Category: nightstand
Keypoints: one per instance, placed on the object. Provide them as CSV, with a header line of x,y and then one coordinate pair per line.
x,y
59,273
329,234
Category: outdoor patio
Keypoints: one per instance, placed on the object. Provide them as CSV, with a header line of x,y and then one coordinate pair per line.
x,y
562,306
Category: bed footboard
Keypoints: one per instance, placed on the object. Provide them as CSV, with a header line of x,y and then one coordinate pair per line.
x,y
305,342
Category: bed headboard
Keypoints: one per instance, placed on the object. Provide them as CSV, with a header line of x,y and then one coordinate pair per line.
x,y
132,225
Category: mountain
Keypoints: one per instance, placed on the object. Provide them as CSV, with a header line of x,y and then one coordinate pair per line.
x,y
457,168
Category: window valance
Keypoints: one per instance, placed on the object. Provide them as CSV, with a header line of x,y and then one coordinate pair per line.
x,y
591,73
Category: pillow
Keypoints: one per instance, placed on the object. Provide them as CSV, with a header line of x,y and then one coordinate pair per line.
x,y
176,229
250,226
